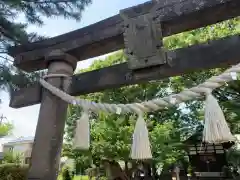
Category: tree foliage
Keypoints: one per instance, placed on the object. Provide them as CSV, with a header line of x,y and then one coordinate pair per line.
x,y
5,127
14,32
34,11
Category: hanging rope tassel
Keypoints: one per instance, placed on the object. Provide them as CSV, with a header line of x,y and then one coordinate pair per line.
x,y
141,146
216,129
82,132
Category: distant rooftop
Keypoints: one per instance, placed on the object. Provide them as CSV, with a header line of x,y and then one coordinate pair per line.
x,y
19,140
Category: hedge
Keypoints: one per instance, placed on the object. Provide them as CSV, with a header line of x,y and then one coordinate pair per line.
x,y
13,172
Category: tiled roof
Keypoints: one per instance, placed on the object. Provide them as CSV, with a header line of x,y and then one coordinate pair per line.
x,y
20,140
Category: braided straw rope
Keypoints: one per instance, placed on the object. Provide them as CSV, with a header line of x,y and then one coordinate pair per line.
x,y
151,105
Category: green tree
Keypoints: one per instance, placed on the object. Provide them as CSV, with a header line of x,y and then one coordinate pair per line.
x,y
5,127
34,11
14,32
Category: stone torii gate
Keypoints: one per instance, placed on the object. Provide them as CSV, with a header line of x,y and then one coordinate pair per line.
x,y
139,30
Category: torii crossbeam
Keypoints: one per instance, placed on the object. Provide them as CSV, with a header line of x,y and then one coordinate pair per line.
x,y
151,20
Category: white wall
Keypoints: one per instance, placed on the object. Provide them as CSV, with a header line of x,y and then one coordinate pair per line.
x,y
21,148
24,149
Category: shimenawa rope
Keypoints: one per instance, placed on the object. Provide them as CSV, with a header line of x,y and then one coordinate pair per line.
x,y
151,105
215,127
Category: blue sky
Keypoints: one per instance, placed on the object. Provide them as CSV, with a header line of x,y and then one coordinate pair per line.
x,y
25,119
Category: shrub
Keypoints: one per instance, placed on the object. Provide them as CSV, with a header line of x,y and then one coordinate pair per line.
x,y
13,172
12,158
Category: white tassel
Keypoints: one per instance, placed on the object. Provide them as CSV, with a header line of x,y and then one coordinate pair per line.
x,y
82,132
216,129
141,146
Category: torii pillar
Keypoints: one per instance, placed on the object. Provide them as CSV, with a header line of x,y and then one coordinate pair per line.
x,y
48,140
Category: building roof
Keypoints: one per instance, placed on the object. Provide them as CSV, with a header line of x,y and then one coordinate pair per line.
x,y
197,137
20,140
